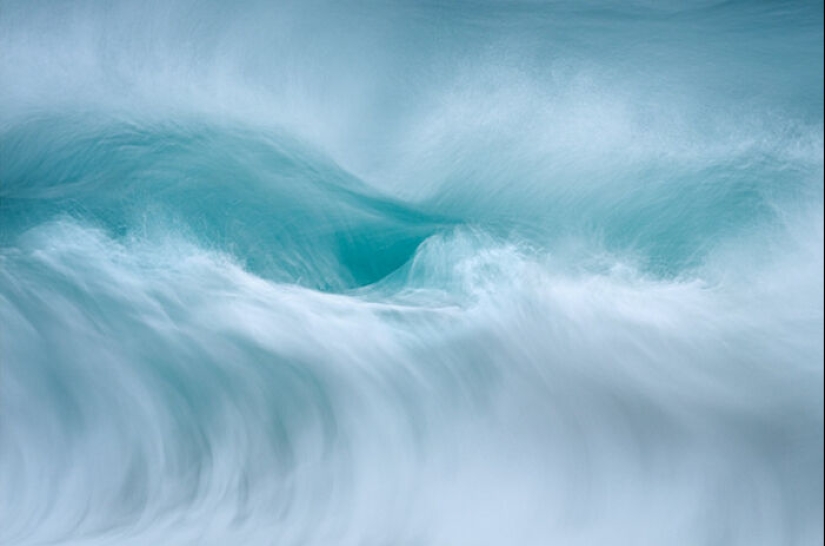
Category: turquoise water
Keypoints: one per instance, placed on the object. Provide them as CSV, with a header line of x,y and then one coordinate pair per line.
x,y
411,273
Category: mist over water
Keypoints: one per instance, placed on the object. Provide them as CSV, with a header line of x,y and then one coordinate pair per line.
x,y
411,273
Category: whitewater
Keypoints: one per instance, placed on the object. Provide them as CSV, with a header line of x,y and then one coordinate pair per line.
x,y
411,273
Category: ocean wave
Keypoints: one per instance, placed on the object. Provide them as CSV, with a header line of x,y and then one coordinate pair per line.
x,y
411,273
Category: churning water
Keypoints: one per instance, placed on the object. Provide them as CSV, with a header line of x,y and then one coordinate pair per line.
x,y
411,273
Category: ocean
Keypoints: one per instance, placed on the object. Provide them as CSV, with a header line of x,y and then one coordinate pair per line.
x,y
411,273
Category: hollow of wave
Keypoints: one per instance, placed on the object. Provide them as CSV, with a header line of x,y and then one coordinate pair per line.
x,y
411,273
